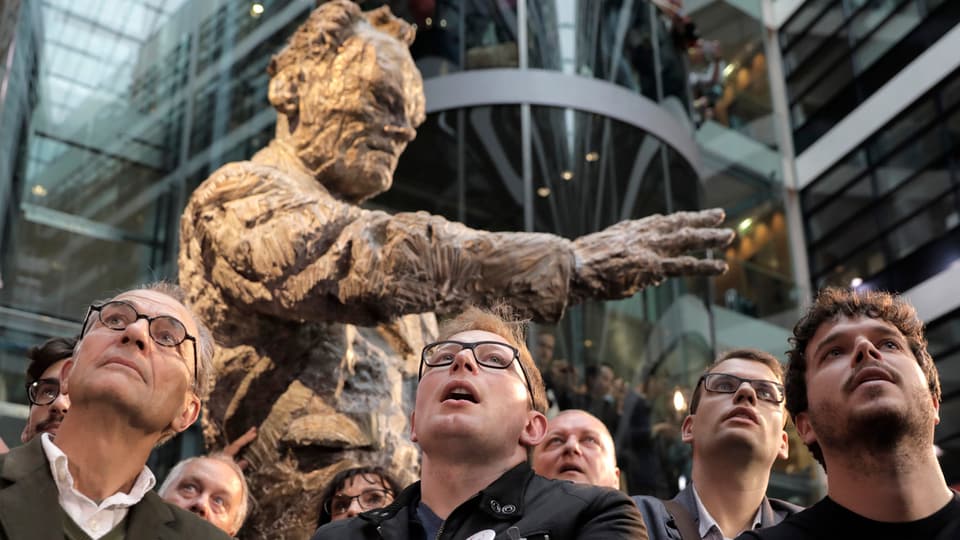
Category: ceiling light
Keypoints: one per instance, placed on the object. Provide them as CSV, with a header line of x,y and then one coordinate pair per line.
x,y
256,10
567,175
443,23
592,156
39,191
543,192
429,21
856,282
745,224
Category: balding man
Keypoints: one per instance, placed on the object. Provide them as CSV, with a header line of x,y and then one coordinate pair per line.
x,y
577,447
212,487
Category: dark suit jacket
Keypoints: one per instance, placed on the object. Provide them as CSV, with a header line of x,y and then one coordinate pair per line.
x,y
29,507
661,526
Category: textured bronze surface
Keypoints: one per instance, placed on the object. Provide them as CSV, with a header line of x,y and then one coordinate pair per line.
x,y
321,307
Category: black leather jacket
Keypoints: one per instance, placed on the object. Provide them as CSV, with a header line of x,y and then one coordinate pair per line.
x,y
518,505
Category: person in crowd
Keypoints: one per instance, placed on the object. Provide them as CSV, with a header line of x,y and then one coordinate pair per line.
x,y
478,414
356,490
736,429
48,405
599,399
137,377
864,394
579,448
212,487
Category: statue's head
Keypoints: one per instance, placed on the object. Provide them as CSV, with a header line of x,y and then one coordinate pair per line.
x,y
349,96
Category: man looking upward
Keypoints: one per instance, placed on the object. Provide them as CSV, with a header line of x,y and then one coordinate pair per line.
x,y
136,379
478,413
735,427
865,397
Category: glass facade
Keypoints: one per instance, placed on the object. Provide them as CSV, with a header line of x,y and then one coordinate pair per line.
x,y
836,54
109,126
886,215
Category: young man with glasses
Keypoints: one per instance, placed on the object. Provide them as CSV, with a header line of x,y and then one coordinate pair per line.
x,y
478,413
735,427
48,404
136,378
864,394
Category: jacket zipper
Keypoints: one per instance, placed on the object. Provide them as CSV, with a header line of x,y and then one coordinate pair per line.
x,y
440,531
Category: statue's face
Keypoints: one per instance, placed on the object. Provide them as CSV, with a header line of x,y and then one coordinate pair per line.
x,y
358,112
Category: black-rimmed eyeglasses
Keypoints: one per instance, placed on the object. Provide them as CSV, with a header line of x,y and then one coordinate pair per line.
x,y
724,383
368,500
43,391
165,330
491,354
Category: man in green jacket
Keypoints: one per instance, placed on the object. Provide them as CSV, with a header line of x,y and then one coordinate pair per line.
x,y
137,378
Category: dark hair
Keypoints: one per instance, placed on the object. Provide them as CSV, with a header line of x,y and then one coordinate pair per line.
x,y
340,480
756,355
501,319
47,354
832,303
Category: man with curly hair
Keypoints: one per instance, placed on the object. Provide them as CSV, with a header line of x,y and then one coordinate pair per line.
x,y
865,396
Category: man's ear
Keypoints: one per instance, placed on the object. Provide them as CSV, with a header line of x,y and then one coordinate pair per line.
x,y
413,428
188,414
65,374
686,429
784,451
804,428
936,410
283,91
534,430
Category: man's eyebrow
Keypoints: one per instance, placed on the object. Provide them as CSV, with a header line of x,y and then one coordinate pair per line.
x,y
831,338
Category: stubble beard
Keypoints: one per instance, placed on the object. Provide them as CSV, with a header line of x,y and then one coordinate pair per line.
x,y
881,435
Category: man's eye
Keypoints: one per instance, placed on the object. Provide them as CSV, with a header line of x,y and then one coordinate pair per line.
x,y
891,344
188,488
554,441
495,359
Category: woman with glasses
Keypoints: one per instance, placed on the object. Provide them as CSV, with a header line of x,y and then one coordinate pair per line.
x,y
354,491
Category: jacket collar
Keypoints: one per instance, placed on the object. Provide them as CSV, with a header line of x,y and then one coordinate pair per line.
x,y
25,504
503,499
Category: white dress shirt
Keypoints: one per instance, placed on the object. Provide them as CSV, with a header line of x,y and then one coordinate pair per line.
x,y
95,519
709,530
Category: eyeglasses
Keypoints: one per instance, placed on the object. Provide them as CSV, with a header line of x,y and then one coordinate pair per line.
x,y
165,330
369,499
43,391
491,354
724,383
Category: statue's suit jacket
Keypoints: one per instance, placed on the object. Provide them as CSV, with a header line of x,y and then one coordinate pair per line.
x,y
29,507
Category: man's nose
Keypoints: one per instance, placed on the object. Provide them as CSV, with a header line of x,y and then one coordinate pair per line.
x,y
745,392
865,350
572,445
61,404
200,506
137,332
464,360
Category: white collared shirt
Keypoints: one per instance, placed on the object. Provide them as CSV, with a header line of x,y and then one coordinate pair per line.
x,y
95,520
708,526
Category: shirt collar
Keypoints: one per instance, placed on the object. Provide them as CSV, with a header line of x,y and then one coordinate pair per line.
x,y
706,520
64,480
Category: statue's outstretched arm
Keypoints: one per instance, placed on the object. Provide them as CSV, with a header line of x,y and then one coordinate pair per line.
x,y
289,248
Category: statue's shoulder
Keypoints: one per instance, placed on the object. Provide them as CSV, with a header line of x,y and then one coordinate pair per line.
x,y
245,179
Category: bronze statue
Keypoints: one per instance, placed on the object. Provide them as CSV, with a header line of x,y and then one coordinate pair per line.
x,y
321,307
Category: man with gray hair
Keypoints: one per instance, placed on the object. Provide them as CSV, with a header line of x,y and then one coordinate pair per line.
x,y
137,378
212,487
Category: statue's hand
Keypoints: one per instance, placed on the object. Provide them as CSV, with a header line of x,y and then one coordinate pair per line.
x,y
622,259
